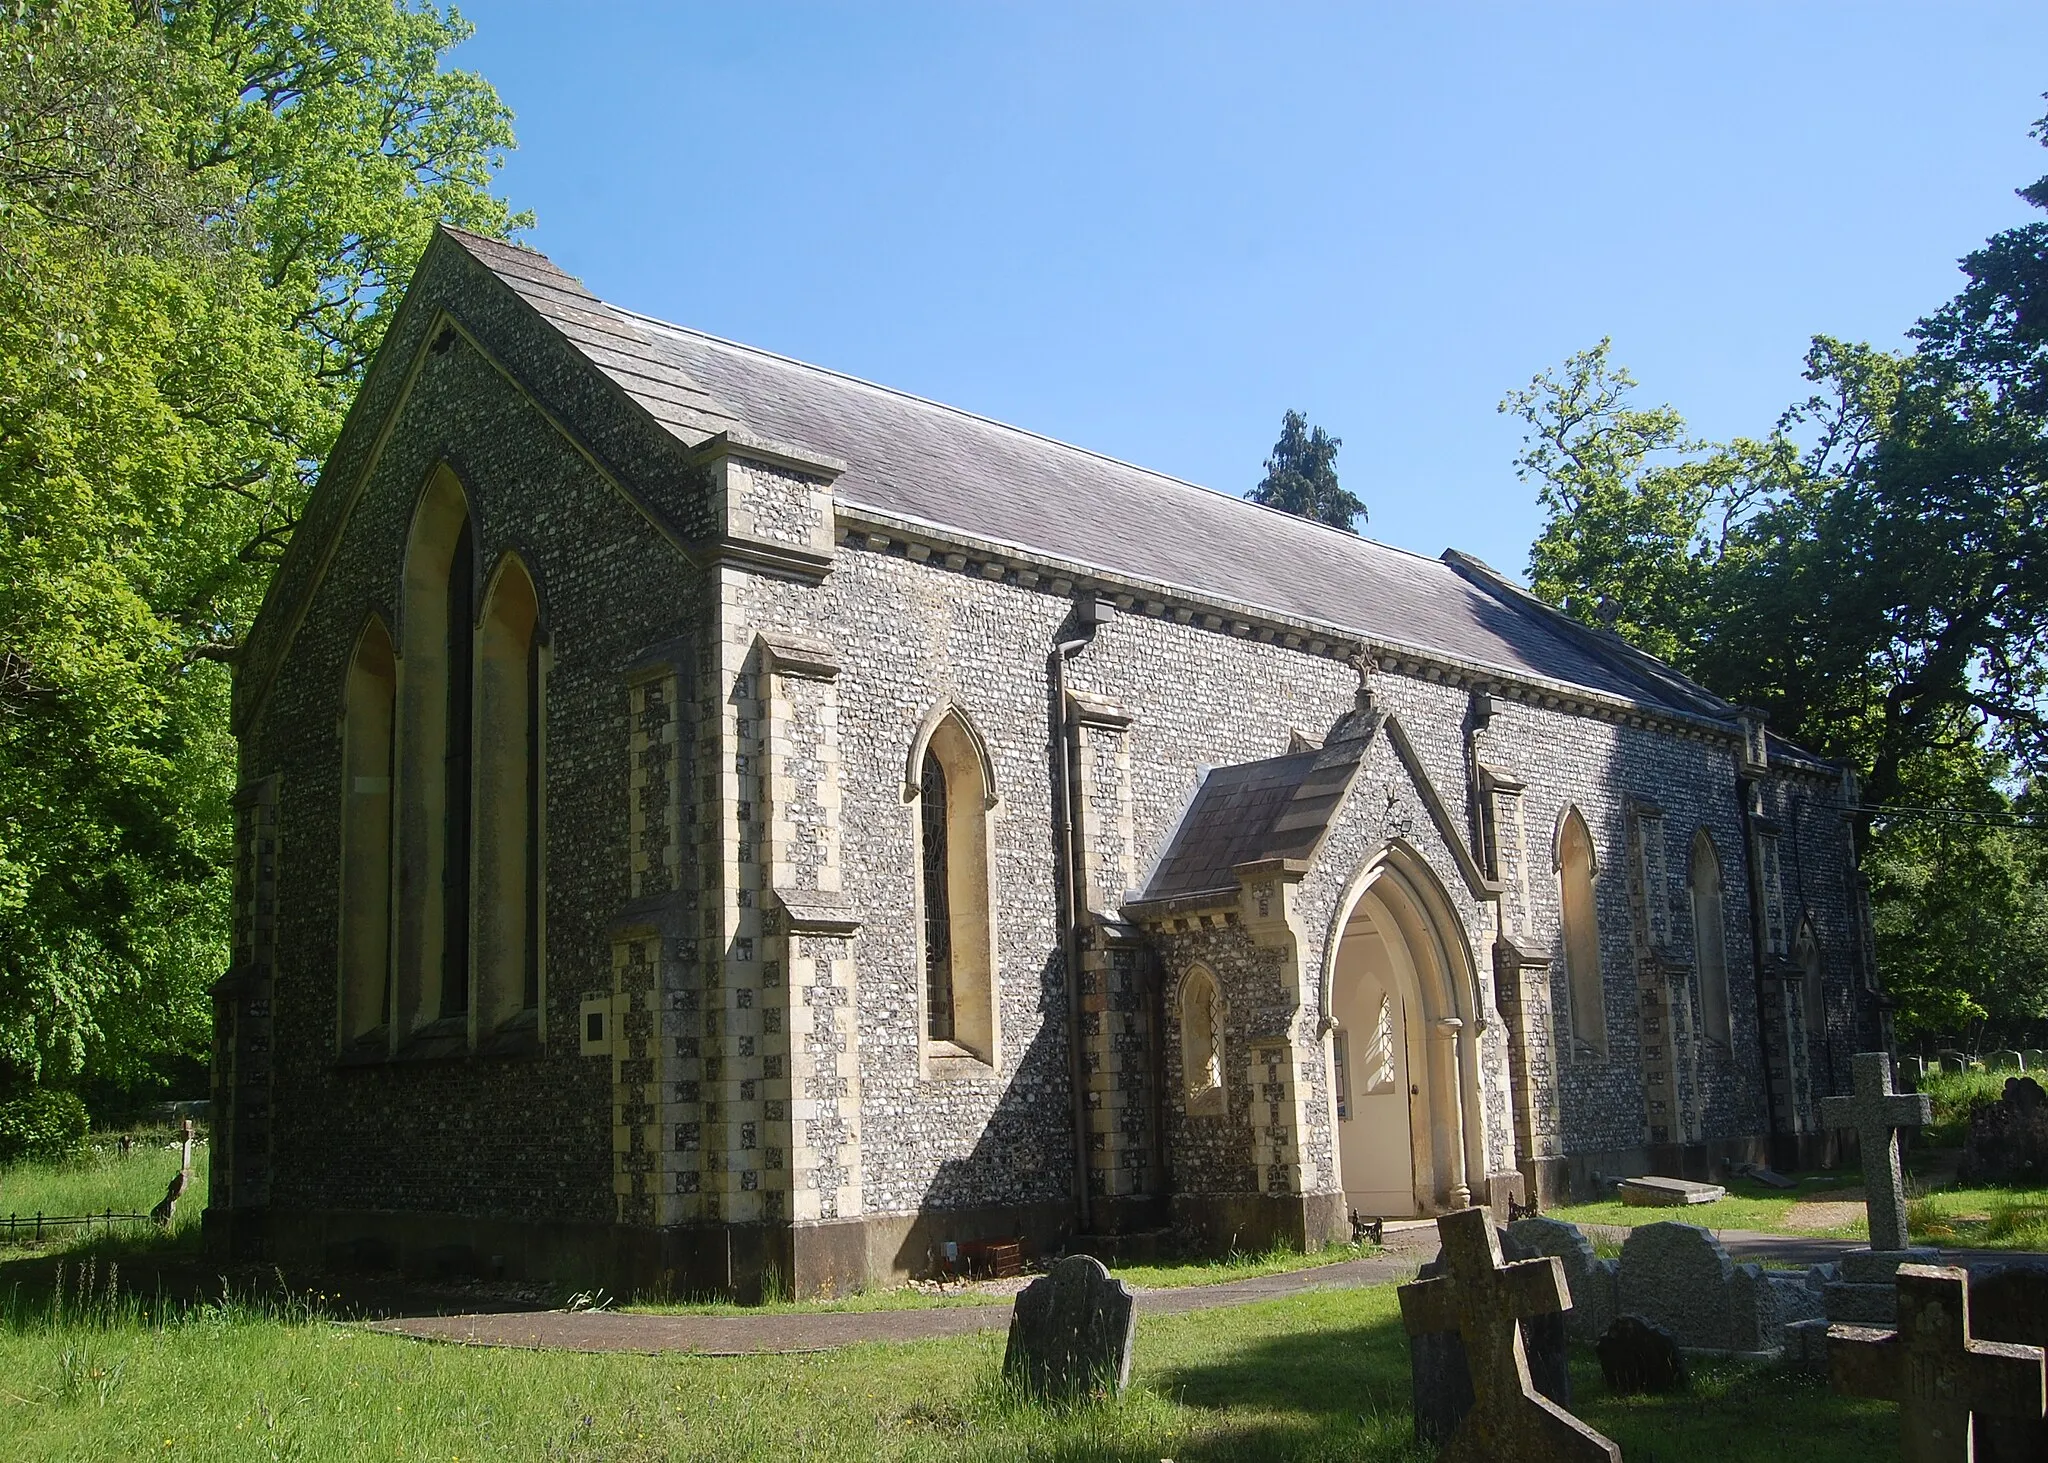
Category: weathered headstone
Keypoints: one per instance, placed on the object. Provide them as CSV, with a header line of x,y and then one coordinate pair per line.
x,y
2003,1060
1769,1177
1636,1356
1588,1278
2007,1140
1952,1062
1939,1374
1678,1276
1485,1300
1662,1193
1877,1112
1440,1380
167,1207
2010,1303
2035,1058
1071,1332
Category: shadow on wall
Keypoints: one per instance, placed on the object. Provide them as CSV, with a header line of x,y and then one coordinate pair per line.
x,y
1017,1181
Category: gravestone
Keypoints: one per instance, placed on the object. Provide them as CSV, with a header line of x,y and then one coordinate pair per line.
x,y
1678,1277
1071,1332
2004,1060
2010,1303
166,1210
1913,1066
1636,1356
1440,1380
1941,1376
1589,1278
1661,1193
2035,1058
2007,1141
1485,1301
1770,1178
1877,1112
1952,1062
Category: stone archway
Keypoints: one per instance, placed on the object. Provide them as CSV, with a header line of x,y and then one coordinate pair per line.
x,y
1401,994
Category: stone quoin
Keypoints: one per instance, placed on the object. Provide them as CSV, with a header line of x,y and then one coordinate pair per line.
x,y
707,821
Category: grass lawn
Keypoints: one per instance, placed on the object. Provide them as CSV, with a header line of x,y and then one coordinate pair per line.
x,y
1959,1218
1749,1205
101,1179
1322,1376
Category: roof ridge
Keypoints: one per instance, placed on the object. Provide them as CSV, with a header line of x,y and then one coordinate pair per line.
x,y
1036,436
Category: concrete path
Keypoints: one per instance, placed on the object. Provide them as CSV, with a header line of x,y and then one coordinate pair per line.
x,y
791,1332
802,1331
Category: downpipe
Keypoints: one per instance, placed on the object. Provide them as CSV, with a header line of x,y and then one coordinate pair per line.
x,y
1070,910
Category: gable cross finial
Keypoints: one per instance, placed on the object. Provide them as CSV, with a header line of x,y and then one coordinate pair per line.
x,y
1365,663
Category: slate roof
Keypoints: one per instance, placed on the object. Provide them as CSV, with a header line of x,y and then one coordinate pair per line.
x,y
1278,808
909,458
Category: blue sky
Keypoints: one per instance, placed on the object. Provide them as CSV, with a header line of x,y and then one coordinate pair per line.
x,y
1149,229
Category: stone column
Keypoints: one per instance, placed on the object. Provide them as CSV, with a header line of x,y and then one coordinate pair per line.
x,y
239,1171
655,1044
1116,1008
1523,988
1449,1032
809,1009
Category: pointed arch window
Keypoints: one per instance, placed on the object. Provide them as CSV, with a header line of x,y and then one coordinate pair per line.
x,y
432,783
510,790
369,706
1576,871
1710,937
1812,983
1201,1042
955,797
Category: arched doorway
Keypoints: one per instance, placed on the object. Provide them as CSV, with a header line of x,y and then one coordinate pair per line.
x,y
1398,985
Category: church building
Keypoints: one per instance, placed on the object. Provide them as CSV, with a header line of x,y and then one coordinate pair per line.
x,y
709,823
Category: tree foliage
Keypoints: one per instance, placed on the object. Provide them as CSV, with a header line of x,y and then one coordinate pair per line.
x,y
207,211
1873,572
1301,477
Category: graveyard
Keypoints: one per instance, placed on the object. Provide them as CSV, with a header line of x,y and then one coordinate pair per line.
x,y
678,783
1644,1340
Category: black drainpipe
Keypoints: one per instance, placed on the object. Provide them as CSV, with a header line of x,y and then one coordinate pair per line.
x,y
1759,937
1088,613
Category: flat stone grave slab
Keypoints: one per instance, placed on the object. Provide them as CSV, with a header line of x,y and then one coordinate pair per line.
x,y
1650,1192
1071,1332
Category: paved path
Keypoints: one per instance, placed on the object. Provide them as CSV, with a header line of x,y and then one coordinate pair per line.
x,y
764,1332
800,1331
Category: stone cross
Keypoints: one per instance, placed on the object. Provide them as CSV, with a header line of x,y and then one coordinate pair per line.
x,y
1483,1300
1932,1368
1876,1111
1071,1332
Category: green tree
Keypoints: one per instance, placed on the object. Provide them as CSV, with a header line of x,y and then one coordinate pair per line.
x,y
1301,477
1873,573
207,212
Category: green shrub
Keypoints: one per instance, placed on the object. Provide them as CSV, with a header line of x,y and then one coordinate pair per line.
x,y
43,1126
1954,1094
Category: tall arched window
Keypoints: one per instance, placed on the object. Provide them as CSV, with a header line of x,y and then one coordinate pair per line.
x,y
1201,1042
456,769
1812,982
1576,870
510,783
432,804
367,719
1709,937
955,796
